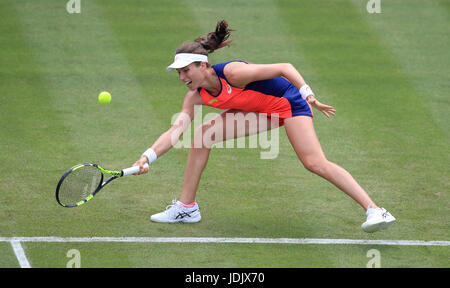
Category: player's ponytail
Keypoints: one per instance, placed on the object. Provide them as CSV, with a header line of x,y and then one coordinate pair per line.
x,y
216,39
209,42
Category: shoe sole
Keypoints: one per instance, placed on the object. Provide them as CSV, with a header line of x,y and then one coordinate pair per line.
x,y
388,223
377,226
373,227
195,220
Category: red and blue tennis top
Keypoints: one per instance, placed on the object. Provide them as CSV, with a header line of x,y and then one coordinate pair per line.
x,y
271,96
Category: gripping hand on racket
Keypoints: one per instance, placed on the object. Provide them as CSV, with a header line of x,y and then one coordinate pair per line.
x,y
141,162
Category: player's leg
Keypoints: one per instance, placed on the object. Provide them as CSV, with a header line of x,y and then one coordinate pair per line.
x,y
217,130
301,134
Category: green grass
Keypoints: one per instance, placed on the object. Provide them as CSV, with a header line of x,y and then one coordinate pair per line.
x,y
391,131
230,255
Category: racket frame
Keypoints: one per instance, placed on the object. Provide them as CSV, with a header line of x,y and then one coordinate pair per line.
x,y
114,175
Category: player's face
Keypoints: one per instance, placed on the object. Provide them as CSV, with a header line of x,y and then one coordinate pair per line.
x,y
192,75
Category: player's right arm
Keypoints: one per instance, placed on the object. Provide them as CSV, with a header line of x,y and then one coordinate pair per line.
x,y
169,138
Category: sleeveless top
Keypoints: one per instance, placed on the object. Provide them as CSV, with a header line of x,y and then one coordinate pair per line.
x,y
276,95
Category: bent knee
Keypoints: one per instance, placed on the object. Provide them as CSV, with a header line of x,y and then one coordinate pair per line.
x,y
316,166
205,136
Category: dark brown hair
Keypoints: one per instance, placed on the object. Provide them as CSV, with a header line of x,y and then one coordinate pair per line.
x,y
208,43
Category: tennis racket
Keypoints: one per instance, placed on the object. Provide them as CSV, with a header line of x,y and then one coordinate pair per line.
x,y
83,181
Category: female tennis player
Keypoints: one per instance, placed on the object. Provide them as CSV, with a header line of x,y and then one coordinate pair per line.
x,y
275,90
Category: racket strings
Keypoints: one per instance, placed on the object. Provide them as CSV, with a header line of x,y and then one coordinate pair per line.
x,y
79,184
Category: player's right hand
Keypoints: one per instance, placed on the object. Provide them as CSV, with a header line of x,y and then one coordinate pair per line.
x,y
141,163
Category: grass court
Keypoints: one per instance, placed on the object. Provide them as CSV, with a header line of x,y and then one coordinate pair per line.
x,y
387,74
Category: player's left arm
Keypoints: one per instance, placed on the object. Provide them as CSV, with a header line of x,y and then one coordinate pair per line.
x,y
240,74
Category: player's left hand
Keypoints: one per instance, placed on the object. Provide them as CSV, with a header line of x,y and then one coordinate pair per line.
x,y
327,110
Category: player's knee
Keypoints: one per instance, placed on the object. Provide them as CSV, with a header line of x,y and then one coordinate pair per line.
x,y
201,138
316,166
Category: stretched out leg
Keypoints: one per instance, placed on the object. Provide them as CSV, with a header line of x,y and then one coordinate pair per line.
x,y
301,134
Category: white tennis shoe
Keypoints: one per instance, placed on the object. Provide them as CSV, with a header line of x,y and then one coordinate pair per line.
x,y
377,219
178,212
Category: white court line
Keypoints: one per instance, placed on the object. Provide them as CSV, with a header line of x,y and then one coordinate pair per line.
x,y
53,239
20,254
23,261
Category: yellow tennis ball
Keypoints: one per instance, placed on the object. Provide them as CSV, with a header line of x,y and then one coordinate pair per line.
x,y
104,97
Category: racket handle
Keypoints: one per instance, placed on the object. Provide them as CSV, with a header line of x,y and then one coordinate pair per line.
x,y
132,170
